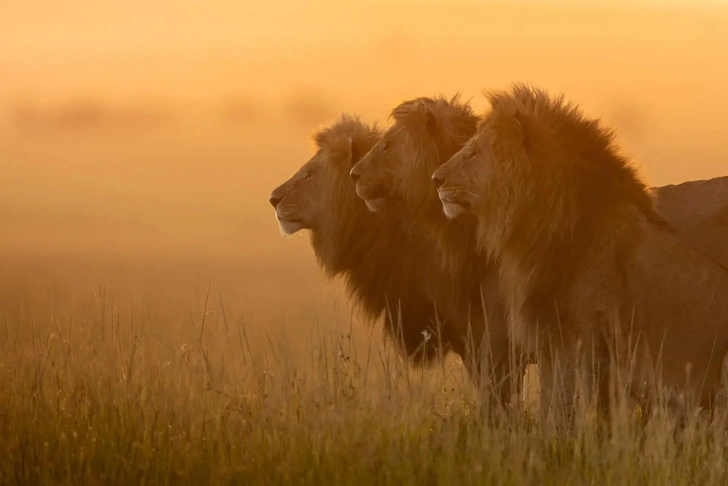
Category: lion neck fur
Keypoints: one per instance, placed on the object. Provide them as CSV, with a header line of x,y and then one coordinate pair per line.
x,y
566,167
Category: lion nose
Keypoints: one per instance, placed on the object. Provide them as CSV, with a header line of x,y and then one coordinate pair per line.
x,y
274,200
355,176
438,180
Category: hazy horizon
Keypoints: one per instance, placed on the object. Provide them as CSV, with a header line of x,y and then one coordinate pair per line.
x,y
166,125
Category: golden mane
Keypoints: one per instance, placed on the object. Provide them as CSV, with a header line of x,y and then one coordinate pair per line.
x,y
455,119
349,132
430,130
588,184
427,131
373,252
448,124
582,250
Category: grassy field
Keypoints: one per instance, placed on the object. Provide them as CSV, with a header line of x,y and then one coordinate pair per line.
x,y
156,372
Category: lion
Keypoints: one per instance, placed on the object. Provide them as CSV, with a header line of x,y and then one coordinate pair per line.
x,y
589,265
380,262
699,212
396,172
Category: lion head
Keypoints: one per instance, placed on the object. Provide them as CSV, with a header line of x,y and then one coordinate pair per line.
x,y
425,133
307,199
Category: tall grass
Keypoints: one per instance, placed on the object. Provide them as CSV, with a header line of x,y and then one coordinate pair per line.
x,y
117,393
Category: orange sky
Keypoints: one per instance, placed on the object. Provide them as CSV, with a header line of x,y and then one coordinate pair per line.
x,y
188,47
283,67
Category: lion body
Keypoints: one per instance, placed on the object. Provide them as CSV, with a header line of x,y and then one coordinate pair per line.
x,y
699,212
589,264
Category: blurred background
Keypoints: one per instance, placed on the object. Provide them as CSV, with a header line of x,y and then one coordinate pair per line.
x,y
141,139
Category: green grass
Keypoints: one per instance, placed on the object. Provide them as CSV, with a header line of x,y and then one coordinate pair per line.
x,y
111,398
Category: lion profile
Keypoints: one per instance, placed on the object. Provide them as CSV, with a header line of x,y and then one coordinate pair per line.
x,y
588,263
396,172
374,252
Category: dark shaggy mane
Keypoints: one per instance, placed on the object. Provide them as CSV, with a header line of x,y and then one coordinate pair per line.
x,y
430,130
607,176
336,136
456,122
576,170
374,253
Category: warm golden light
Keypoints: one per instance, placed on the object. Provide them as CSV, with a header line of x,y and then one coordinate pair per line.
x,y
157,328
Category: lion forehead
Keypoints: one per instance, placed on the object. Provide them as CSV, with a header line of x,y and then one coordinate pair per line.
x,y
470,148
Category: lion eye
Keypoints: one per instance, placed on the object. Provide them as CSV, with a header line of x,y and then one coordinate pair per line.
x,y
309,174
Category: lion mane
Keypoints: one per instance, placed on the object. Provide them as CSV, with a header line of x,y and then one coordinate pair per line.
x,y
374,253
584,253
426,132
448,125
583,190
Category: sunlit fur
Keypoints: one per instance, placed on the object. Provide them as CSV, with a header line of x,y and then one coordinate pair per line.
x,y
583,253
425,133
374,252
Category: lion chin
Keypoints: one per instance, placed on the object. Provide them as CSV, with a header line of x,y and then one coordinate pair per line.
x,y
289,228
451,208
375,205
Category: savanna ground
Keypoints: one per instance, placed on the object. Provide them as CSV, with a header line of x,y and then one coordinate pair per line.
x,y
151,370
148,346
